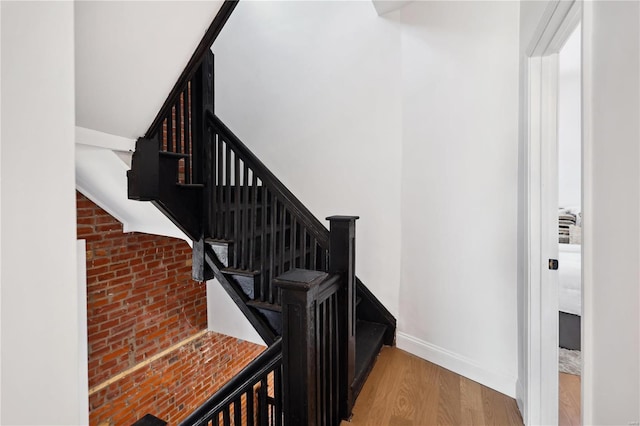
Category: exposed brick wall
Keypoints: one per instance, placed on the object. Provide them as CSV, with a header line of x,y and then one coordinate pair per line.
x,y
141,300
173,386
140,295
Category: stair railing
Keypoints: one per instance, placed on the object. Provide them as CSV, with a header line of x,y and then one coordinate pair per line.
x,y
252,397
271,230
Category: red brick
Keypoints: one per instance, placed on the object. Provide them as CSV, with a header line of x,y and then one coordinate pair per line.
x,y
141,300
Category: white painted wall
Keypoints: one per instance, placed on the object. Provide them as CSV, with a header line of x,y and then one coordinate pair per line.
x,y
83,335
39,324
459,188
331,116
313,89
223,316
129,55
614,300
569,122
0,212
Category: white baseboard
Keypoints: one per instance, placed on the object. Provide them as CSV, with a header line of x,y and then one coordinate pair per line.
x,y
457,363
520,397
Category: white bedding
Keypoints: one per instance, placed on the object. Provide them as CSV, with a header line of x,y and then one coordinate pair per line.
x,y
569,279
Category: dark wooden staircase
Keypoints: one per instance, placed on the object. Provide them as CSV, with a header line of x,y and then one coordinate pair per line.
x,y
247,228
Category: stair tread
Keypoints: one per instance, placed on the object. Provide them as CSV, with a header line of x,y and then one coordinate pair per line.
x,y
211,240
190,185
369,337
234,271
265,305
174,154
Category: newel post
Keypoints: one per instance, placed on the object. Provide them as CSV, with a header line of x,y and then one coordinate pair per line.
x,y
201,106
342,260
299,289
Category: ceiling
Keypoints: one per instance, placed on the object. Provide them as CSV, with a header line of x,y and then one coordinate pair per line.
x,y
386,6
129,54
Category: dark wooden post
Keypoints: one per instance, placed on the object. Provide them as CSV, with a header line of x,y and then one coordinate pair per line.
x,y
342,260
299,293
202,106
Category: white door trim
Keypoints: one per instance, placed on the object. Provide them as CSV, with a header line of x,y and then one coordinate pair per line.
x,y
541,397
586,342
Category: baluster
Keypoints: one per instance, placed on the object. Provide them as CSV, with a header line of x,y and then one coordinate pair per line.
x,y
227,182
333,356
277,394
245,213
303,247
272,250
213,195
178,108
263,246
314,246
292,242
321,361
249,400
237,411
323,259
283,233
220,186
187,139
253,217
226,416
263,414
237,241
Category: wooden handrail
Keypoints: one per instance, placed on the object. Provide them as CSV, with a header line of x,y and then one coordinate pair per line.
x,y
254,373
300,211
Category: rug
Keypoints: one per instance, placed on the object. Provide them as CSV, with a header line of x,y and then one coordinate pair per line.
x,y
569,361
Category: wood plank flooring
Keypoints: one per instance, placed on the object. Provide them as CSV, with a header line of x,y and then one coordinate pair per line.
x,y
569,403
404,390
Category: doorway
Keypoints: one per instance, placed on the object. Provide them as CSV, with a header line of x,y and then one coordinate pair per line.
x,y
541,393
569,208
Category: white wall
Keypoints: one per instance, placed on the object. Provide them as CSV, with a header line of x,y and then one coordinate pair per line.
x,y
39,323
569,122
459,187
83,339
614,302
0,213
313,88
329,95
223,316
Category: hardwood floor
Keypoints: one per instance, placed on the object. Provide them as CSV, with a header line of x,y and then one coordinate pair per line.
x,y
404,390
569,404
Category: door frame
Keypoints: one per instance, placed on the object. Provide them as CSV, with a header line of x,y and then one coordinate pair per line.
x,y
540,397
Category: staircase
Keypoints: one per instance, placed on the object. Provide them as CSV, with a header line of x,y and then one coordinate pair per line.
x,y
250,232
